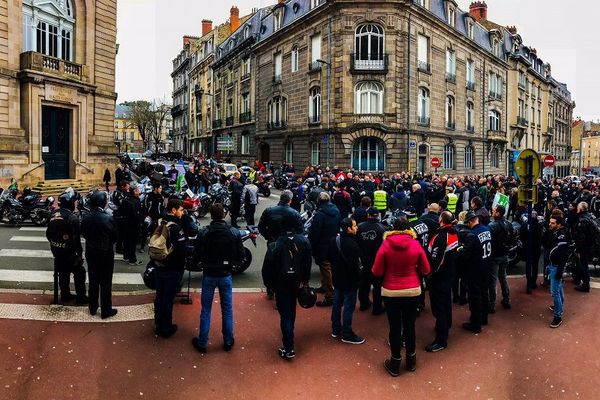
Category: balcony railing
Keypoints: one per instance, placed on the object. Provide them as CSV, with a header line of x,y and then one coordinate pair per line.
x,y
471,85
424,67
470,128
368,119
522,86
450,77
276,79
371,64
314,120
228,121
245,117
176,110
522,121
276,125
314,66
550,131
496,135
245,77
43,63
217,123
451,125
423,120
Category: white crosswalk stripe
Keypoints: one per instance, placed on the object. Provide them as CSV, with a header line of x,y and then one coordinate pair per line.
x,y
13,275
33,229
37,239
35,253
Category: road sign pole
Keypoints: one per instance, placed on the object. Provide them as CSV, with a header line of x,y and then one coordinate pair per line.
x,y
529,217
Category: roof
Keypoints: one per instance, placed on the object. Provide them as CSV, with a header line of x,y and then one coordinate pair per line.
x,y
121,111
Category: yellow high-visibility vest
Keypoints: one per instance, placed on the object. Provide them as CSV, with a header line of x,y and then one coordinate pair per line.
x,y
380,200
452,201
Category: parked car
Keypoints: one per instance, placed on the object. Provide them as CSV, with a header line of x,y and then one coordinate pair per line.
x,y
228,169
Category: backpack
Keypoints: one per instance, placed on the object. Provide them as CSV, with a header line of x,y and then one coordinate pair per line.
x,y
595,224
289,265
159,245
58,233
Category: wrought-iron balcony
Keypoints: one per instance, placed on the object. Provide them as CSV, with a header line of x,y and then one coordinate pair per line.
x,y
368,119
522,121
34,61
228,121
423,120
176,110
314,120
496,135
217,123
245,77
314,66
276,79
276,125
470,128
451,125
245,117
370,64
424,67
471,85
450,77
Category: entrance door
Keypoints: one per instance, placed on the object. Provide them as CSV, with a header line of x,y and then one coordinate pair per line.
x,y
56,129
422,158
265,153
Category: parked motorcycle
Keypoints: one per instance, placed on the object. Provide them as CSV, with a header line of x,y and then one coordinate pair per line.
x,y
264,185
247,234
217,193
29,206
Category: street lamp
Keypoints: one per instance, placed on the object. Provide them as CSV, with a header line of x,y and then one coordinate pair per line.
x,y
328,103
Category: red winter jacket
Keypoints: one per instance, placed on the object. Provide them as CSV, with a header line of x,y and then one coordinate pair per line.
x,y
400,261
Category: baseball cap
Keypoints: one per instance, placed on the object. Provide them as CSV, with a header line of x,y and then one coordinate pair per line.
x,y
470,215
372,212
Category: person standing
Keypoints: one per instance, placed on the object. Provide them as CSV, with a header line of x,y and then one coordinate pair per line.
x,y
170,271
585,243
451,200
370,236
559,253
342,200
502,232
106,179
479,209
63,234
400,263
324,227
100,233
235,187
476,253
250,198
117,197
132,217
345,254
287,267
441,253
218,248
118,175
380,201
417,199
191,179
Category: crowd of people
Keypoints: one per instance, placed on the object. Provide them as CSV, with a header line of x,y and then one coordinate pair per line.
x,y
380,241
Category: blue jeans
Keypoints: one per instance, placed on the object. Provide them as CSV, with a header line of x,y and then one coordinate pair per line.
x,y
347,300
168,283
557,292
209,284
286,306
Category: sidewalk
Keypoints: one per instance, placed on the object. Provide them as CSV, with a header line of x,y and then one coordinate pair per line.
x,y
517,356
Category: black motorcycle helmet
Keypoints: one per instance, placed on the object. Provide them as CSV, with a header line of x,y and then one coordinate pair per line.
x,y
68,198
98,199
306,297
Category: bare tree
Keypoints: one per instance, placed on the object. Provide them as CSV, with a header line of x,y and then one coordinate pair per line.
x,y
140,117
159,112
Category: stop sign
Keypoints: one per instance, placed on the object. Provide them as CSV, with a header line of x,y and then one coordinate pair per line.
x,y
435,162
549,161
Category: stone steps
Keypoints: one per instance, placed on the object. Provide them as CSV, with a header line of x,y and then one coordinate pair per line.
x,y
55,187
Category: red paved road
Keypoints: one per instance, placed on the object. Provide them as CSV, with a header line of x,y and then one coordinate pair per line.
x,y
518,356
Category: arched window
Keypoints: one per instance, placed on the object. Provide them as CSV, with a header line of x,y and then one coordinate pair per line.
x,y
494,120
423,106
52,31
295,59
314,106
369,98
368,154
495,158
470,117
369,43
469,157
450,112
315,153
277,112
448,157
289,152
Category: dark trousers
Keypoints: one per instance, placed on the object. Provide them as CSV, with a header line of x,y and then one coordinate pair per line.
x,y
584,269
168,283
250,209
286,306
235,213
459,286
440,295
121,227
532,270
367,279
65,266
344,303
100,271
402,313
478,296
130,242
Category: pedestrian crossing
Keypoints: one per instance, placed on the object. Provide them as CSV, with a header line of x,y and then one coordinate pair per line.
x,y
24,250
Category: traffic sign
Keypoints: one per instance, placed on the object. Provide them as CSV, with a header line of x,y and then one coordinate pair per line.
x,y
527,195
412,144
521,166
549,161
435,162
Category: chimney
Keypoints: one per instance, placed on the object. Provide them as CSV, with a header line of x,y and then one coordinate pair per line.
x,y
512,29
234,19
478,10
206,26
186,41
280,1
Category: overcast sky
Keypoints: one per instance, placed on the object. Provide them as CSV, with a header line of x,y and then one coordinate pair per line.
x,y
150,36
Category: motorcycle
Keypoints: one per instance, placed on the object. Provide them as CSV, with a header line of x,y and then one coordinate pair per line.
x,y
264,186
5,201
29,206
217,193
247,234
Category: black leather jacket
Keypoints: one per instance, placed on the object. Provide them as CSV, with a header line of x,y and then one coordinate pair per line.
x,y
276,220
99,230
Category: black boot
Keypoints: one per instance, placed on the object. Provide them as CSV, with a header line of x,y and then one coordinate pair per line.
x,y
392,366
411,363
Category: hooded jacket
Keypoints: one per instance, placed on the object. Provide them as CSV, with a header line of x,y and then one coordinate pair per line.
x,y
400,261
324,227
398,201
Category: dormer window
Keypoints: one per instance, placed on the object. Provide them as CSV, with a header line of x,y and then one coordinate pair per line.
x,y
278,19
451,16
231,45
422,3
496,47
471,29
246,32
314,3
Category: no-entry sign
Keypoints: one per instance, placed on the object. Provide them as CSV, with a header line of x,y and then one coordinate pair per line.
x,y
549,161
435,162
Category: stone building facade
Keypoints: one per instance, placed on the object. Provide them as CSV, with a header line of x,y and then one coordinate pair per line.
x,y
57,89
181,98
560,121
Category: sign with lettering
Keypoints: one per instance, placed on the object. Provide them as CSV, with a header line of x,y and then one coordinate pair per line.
x,y
60,94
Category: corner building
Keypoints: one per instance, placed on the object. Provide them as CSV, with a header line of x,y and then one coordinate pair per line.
x,y
57,90
380,86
